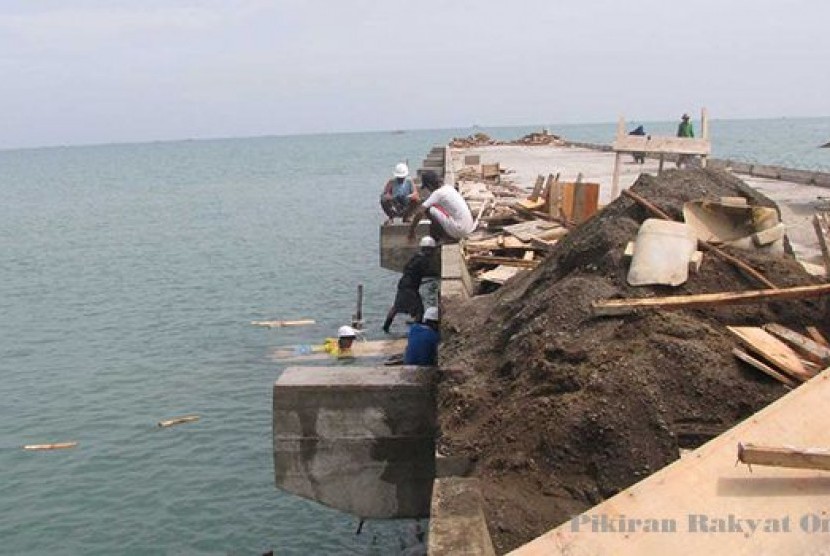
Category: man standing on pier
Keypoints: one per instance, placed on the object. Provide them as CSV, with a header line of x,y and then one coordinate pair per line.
x,y
408,297
686,130
446,209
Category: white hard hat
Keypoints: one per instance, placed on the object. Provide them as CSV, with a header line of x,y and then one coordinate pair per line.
x,y
401,170
346,332
431,314
427,241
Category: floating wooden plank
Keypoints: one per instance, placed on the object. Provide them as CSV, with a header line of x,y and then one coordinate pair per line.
x,y
814,351
677,302
817,336
178,421
772,349
507,261
763,367
44,447
784,456
282,323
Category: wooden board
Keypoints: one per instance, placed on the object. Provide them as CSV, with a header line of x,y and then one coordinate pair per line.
x,y
567,206
821,223
785,456
499,242
817,336
537,189
586,198
764,368
526,231
772,349
507,261
677,302
500,274
665,145
708,483
813,350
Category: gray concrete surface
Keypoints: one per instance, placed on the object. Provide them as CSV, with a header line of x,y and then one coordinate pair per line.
x,y
457,526
358,439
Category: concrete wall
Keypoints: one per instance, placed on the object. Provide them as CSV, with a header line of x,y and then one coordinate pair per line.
x,y
457,526
396,248
358,439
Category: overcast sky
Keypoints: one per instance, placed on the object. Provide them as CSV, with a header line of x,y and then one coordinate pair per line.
x,y
97,71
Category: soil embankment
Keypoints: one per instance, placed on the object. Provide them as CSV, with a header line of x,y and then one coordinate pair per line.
x,y
560,410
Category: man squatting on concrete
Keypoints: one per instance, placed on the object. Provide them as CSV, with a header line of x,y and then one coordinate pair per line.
x,y
449,215
400,196
408,297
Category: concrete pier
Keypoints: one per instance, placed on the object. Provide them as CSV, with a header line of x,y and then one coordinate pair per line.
x,y
358,439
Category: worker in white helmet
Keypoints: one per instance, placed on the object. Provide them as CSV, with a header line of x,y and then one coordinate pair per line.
x,y
342,346
400,196
408,297
422,340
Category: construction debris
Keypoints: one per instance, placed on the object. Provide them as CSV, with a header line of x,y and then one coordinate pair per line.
x,y
560,409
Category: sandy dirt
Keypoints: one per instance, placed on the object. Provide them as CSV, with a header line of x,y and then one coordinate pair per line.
x,y
560,410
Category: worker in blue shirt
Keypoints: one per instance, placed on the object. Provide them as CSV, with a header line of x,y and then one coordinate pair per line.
x,y
422,343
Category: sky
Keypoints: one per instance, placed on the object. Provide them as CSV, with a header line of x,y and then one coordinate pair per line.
x,y
96,71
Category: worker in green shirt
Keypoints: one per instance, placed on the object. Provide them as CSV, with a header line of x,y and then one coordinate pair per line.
x,y
685,129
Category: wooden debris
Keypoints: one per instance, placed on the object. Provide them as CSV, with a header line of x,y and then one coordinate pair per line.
x,y
784,456
773,350
44,447
817,336
507,261
813,350
498,242
500,274
178,421
490,171
763,367
282,323
821,223
526,231
677,302
702,244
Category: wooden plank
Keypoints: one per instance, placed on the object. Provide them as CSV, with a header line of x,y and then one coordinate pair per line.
x,y
178,421
490,170
813,350
586,198
282,323
472,160
817,336
677,302
820,225
764,368
44,447
708,485
772,349
507,261
784,456
567,206
554,196
500,242
662,145
537,188
500,274
525,231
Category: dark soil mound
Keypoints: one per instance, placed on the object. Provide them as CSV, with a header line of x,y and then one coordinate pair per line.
x,y
560,410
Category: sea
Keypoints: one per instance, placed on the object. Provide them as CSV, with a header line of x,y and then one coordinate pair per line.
x,y
129,278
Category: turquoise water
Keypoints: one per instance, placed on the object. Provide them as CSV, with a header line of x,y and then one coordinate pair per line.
x,y
129,275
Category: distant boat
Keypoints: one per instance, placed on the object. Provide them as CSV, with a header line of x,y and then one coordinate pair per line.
x,y
398,132
825,146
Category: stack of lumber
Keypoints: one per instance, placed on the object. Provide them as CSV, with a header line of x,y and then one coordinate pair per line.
x,y
782,353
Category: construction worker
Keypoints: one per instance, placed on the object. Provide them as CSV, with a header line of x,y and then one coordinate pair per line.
x,y
342,346
400,196
446,209
422,342
408,297
684,129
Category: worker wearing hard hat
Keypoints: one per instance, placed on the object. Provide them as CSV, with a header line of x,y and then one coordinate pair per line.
x,y
422,341
685,130
408,297
400,196
446,209
342,346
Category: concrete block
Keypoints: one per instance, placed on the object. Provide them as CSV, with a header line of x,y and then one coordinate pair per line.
x,y
796,176
741,168
451,261
358,439
431,163
457,525
396,248
762,171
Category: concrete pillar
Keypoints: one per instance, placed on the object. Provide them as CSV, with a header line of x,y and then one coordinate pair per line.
x,y
358,439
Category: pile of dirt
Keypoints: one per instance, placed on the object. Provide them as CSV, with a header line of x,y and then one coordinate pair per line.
x,y
538,138
482,139
560,410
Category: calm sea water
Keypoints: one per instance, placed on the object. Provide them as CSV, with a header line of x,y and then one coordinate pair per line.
x,y
129,275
